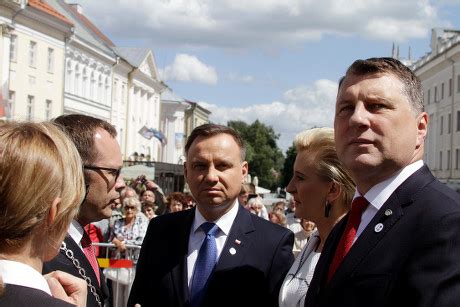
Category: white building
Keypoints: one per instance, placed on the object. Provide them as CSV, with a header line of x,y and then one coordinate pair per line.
x,y
88,65
173,126
143,104
32,60
439,72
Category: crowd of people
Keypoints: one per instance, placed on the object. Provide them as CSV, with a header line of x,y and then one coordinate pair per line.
x,y
367,225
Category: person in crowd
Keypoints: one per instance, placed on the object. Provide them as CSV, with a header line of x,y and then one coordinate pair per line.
x,y
175,201
41,187
148,208
189,202
322,190
279,206
399,245
150,191
246,190
256,206
96,142
221,254
277,217
132,228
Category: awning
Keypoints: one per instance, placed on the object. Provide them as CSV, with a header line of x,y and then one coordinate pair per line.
x,y
132,172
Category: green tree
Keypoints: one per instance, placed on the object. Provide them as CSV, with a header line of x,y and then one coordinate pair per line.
x,y
263,155
288,166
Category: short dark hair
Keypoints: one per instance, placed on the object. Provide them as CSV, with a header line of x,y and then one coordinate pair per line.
x,y
80,128
412,85
208,130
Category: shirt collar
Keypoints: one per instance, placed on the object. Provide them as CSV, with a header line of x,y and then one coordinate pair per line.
x,y
225,222
380,193
20,274
76,231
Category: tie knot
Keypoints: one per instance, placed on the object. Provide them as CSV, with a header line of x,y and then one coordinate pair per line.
x,y
358,205
209,228
85,240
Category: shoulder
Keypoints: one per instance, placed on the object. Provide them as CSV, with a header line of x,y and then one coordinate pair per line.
x,y
24,296
270,229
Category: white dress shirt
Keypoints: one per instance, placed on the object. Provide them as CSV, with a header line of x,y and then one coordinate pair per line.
x,y
76,232
21,274
197,236
380,193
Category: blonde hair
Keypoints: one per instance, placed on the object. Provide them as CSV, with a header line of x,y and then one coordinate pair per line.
x,y
38,163
319,142
132,201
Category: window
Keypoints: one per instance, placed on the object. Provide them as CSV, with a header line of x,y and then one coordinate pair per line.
x,y
458,84
10,104
435,94
84,85
99,89
456,158
50,60
450,87
442,90
429,96
441,123
115,89
32,54
449,123
448,159
48,109
440,160
92,86
123,93
13,48
76,87
30,107
458,120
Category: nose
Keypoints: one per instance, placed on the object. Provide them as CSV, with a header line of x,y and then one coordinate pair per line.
x,y
211,175
120,184
359,116
290,187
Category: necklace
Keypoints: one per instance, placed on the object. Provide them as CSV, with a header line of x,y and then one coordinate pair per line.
x,y
69,254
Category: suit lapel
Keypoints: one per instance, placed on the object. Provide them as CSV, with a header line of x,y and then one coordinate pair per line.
x,y
238,241
179,273
390,213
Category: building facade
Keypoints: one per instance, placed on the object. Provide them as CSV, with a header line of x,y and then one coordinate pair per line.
x,y
439,72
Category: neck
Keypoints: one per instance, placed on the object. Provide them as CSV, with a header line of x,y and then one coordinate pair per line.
x,y
24,255
325,226
214,212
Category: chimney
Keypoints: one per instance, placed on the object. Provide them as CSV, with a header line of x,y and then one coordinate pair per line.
x,y
77,7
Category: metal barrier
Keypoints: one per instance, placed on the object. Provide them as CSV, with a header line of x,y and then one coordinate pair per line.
x,y
120,268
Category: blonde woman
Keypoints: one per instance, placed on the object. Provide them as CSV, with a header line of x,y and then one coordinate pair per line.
x,y
322,190
41,187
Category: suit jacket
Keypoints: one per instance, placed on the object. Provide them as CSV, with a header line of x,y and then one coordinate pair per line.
x,y
412,261
62,263
20,296
250,277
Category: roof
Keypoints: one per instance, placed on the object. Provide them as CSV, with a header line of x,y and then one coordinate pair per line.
x,y
91,26
44,7
169,95
134,56
83,28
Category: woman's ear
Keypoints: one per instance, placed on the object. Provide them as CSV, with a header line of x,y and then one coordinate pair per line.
x,y
334,191
53,210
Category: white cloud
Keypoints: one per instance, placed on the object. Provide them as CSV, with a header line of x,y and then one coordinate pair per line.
x,y
301,108
189,68
259,23
241,78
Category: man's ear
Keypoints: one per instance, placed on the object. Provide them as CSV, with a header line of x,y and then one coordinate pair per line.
x,y
422,129
245,170
185,169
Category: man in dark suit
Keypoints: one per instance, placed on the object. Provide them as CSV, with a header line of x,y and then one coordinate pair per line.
x,y
96,142
251,255
406,237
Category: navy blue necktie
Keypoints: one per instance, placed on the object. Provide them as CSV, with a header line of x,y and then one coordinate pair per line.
x,y
205,263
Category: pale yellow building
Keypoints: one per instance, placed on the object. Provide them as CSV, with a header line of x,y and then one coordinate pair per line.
x,y
32,56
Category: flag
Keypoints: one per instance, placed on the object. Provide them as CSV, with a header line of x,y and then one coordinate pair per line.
x,y
146,132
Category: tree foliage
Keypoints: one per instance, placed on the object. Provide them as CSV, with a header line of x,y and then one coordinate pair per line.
x,y
288,166
263,155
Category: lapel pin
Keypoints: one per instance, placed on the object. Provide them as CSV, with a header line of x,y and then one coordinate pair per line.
x,y
232,251
378,227
388,212
237,241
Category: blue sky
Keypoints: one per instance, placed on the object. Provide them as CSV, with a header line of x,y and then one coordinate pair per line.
x,y
276,61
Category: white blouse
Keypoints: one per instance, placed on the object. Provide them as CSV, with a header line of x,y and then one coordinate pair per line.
x,y
20,274
297,280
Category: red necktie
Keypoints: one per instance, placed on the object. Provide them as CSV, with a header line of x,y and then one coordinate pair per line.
x,y
89,253
357,207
